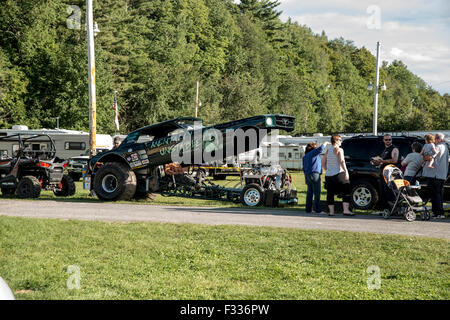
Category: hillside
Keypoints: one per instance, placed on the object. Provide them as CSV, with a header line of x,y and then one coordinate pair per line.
x,y
154,51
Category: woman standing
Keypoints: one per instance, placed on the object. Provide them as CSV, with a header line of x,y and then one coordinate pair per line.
x,y
336,175
413,162
312,169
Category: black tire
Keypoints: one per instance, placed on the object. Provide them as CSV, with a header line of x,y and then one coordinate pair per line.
x,y
364,196
75,176
252,195
425,215
68,187
8,191
115,181
28,187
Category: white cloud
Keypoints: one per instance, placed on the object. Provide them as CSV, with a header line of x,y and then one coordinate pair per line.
x,y
414,31
400,54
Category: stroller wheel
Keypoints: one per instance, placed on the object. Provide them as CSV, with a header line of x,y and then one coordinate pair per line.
x,y
410,215
425,215
386,213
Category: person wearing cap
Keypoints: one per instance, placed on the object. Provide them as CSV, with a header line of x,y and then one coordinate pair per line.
x,y
117,142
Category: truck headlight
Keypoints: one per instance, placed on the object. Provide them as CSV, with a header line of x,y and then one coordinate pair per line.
x,y
269,121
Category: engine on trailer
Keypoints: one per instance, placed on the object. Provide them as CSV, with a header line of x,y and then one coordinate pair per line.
x,y
268,185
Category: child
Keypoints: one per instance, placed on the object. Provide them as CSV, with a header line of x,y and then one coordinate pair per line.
x,y
429,149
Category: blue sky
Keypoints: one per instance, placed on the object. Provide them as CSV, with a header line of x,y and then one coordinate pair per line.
x,y
414,31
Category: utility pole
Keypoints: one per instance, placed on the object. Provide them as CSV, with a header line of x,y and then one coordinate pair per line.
x,y
91,63
196,102
375,102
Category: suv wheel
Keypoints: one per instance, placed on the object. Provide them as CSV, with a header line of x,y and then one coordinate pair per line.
x,y
363,195
115,181
28,187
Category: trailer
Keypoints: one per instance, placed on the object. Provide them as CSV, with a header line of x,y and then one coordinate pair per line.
x,y
68,143
267,185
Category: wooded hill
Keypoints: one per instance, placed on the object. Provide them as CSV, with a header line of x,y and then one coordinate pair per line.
x,y
153,52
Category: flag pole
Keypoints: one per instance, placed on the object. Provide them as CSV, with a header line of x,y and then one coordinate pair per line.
x,y
196,102
91,62
116,113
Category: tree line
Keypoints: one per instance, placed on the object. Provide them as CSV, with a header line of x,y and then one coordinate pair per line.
x,y
152,52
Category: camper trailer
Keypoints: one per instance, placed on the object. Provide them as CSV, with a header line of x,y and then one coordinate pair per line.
x,y
68,143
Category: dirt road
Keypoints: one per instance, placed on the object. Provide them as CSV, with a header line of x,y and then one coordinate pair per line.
x,y
220,216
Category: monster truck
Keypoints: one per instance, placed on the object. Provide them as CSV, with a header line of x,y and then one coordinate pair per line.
x,y
134,168
32,166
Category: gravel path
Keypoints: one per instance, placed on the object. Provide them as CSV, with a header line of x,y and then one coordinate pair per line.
x,y
220,216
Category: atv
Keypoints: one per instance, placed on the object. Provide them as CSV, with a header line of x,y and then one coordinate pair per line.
x,y
32,167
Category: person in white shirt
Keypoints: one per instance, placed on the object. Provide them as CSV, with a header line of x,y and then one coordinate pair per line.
x,y
437,175
336,175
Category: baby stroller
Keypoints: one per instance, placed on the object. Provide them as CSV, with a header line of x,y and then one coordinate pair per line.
x,y
407,200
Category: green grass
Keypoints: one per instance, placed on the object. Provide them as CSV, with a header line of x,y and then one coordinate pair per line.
x,y
167,261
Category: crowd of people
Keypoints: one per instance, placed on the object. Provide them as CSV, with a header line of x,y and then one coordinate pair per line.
x,y
431,160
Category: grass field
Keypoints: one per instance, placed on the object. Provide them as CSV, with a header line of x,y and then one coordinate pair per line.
x,y
166,261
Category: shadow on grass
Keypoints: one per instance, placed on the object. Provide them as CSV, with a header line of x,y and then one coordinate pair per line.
x,y
233,208
299,213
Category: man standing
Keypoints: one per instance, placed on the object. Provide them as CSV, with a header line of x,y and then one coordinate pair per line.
x,y
117,142
389,155
436,176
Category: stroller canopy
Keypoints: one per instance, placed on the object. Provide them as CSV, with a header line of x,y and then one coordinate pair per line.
x,y
391,173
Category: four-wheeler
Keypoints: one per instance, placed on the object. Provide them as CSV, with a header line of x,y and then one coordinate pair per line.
x,y
133,169
366,180
31,168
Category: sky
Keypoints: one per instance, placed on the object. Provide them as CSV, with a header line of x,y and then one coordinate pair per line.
x,y
416,32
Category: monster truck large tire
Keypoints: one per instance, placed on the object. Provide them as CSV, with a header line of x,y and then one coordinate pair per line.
x,y
68,187
115,181
28,187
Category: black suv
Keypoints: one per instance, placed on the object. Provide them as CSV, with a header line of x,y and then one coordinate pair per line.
x,y
365,179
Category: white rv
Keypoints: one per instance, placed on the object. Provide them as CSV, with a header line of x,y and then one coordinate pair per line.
x,y
68,143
